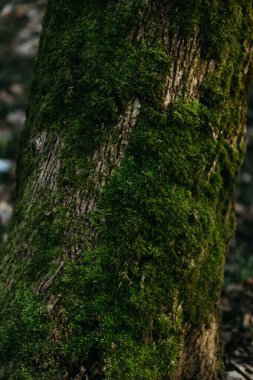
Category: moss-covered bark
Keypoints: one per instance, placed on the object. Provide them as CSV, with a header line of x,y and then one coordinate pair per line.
x,y
127,168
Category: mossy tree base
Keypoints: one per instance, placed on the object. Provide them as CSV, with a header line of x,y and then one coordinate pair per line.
x,y
127,168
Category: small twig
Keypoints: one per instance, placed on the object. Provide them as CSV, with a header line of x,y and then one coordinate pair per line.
x,y
241,370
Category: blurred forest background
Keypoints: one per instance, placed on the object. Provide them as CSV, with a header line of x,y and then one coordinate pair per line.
x,y
20,26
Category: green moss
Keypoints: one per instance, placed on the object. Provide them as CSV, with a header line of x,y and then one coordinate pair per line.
x,y
21,336
163,221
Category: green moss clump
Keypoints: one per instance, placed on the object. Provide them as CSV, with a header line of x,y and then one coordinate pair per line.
x,y
23,332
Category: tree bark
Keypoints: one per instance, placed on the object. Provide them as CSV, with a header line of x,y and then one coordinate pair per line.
x,y
127,167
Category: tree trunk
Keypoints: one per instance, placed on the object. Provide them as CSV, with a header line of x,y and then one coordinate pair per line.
x,y
127,167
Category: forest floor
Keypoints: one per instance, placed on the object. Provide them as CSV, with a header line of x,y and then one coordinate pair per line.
x,y
237,295
20,26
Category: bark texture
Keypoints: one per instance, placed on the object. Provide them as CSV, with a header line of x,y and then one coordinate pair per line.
x,y
127,168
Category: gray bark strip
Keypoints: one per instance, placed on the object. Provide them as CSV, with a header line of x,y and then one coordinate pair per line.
x,y
106,160
201,352
187,70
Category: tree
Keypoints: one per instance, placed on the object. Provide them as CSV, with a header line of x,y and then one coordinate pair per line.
x,y
126,173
